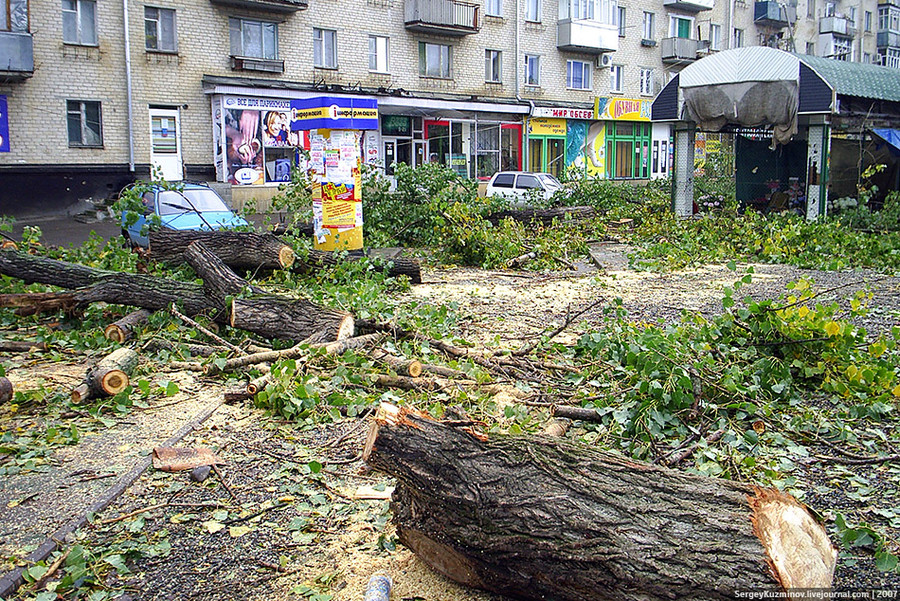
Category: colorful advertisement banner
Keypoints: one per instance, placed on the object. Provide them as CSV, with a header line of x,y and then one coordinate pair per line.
x,y
547,127
243,147
622,109
328,112
562,113
4,126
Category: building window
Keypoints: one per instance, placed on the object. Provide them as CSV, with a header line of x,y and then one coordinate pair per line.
x,y
324,48
867,20
14,16
493,8
649,26
830,9
680,27
616,78
255,39
738,38
578,75
715,37
811,9
492,65
811,48
532,70
852,16
79,22
434,60
646,82
533,10
867,58
621,21
888,19
159,29
842,50
378,54
83,120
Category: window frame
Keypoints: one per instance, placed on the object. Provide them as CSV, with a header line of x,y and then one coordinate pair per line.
x,y
423,61
492,58
617,79
646,83
867,21
648,25
533,60
79,17
715,41
737,38
621,17
493,4
158,22
673,25
320,46
375,55
587,70
240,31
533,10
83,122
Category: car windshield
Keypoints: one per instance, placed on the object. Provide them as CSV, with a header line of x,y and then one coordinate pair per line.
x,y
172,202
549,181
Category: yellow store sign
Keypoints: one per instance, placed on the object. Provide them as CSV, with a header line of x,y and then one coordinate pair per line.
x,y
547,127
622,109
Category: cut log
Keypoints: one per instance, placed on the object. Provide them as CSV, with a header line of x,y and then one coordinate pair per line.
x,y
6,390
403,367
238,250
123,329
108,377
544,216
541,518
290,319
579,413
317,259
35,303
21,346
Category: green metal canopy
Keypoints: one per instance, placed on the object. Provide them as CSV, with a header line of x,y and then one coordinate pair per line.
x,y
857,79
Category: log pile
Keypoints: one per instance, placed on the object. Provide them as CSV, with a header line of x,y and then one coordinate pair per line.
x,y
541,518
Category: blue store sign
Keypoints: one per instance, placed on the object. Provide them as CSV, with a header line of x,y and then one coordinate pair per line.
x,y
332,112
4,126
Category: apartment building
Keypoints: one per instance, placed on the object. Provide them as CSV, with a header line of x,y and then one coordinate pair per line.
x,y
95,92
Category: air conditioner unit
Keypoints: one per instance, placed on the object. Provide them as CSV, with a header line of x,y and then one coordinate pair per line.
x,y
604,61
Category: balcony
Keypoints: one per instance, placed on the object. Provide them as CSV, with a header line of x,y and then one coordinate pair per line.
x,y
677,50
249,63
587,35
692,6
836,24
270,6
774,14
442,17
887,39
16,56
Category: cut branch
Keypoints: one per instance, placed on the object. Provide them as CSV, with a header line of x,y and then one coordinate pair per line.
x,y
110,376
123,329
238,250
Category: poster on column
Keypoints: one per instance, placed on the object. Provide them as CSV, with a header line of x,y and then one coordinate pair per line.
x,y
4,125
243,146
334,171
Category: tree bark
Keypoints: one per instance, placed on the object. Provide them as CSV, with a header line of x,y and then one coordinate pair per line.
x,y
544,216
123,329
35,303
108,377
238,250
403,367
6,390
540,518
317,259
218,279
35,269
290,319
21,346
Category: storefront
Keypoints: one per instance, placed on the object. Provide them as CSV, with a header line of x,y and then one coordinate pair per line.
x,y
627,136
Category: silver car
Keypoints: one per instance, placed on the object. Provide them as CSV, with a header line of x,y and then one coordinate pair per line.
x,y
517,186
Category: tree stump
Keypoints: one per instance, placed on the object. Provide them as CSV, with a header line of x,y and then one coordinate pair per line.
x,y
108,377
540,518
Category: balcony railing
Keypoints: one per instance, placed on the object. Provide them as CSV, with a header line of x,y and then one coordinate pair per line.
x,y
887,39
16,56
774,14
271,6
586,35
250,63
442,17
676,50
836,24
693,6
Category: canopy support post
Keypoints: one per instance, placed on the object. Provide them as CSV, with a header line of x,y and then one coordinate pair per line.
x,y
683,193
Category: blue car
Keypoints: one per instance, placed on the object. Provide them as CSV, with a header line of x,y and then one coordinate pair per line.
x,y
191,207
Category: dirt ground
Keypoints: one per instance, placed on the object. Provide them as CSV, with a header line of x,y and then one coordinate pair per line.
x,y
279,529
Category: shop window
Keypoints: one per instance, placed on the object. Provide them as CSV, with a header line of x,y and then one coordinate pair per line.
x,y
434,60
492,66
256,39
578,75
324,48
159,29
396,125
378,54
79,22
487,149
84,124
628,150
14,16
532,70
510,143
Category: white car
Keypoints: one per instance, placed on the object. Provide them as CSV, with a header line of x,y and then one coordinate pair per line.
x,y
515,185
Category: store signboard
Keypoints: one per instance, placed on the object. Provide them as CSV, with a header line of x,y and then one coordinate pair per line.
x,y
4,125
561,113
547,127
331,112
622,109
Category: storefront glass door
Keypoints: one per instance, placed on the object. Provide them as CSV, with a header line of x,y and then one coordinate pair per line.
x,y
547,155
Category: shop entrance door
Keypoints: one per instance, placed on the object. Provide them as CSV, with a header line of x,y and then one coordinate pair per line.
x,y
165,144
397,151
536,154
421,152
547,155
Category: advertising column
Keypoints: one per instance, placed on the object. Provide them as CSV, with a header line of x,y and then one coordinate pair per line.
x,y
335,127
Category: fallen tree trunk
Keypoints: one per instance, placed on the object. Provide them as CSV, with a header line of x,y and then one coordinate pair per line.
x,y
21,346
110,376
123,329
238,250
544,216
35,303
317,259
539,518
